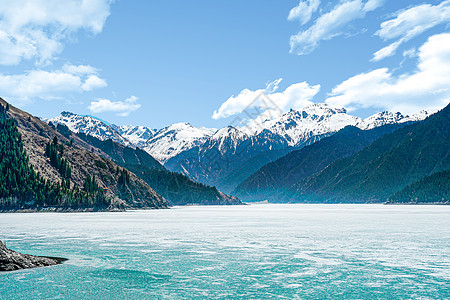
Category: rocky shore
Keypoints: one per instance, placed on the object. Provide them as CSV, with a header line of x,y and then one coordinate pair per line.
x,y
11,260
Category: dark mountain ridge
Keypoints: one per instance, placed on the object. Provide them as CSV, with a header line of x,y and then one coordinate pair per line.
x,y
270,181
385,167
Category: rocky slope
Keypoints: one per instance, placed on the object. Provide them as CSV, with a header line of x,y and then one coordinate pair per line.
x,y
177,188
84,161
12,261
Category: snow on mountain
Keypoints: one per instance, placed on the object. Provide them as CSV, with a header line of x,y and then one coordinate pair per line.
x,y
88,125
171,140
387,117
228,137
137,135
297,126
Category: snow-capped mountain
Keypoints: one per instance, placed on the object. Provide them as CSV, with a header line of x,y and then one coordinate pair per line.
x,y
293,129
296,126
319,119
227,138
136,135
387,117
231,154
174,139
90,126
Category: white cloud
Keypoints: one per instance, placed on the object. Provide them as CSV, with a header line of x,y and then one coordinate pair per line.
x,y
93,82
35,29
303,11
122,108
428,87
80,69
386,51
295,96
410,53
409,24
331,24
23,88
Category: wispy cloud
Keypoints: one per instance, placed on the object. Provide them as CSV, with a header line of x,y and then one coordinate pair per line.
x,y
428,87
36,29
331,24
410,23
22,88
295,96
303,11
121,108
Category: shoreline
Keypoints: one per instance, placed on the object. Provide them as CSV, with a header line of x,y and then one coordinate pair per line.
x,y
96,210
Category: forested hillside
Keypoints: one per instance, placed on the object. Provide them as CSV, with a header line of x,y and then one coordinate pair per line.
x,y
42,169
431,189
179,189
269,182
21,186
385,167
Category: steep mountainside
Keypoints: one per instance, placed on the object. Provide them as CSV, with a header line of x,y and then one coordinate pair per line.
x,y
431,189
385,167
121,154
89,172
178,189
269,182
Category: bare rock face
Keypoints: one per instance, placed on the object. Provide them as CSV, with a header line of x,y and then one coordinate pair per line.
x,y
11,260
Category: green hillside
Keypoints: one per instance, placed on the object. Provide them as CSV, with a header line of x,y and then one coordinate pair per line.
x,y
385,167
431,189
270,181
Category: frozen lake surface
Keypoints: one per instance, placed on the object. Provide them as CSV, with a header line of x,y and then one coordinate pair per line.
x,y
255,251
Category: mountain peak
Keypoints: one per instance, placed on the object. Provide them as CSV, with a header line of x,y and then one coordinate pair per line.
x,y
320,108
313,120
88,125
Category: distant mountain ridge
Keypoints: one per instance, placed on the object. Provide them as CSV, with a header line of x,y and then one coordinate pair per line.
x,y
294,126
216,157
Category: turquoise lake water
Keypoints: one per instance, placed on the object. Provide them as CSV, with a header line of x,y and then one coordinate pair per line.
x,y
239,252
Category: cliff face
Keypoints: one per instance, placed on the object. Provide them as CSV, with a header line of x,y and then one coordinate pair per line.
x,y
84,160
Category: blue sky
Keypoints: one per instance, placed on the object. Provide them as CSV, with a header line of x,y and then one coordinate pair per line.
x,y
155,63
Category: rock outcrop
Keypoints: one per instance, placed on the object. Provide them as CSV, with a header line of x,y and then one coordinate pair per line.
x,y
11,260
